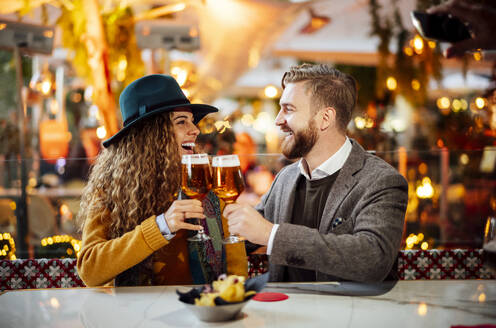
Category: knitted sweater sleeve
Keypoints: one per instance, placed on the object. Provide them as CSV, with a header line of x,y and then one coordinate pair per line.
x,y
101,259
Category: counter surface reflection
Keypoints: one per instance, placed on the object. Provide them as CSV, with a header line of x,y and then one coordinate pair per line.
x,y
403,304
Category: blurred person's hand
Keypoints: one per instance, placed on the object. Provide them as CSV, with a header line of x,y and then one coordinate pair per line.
x,y
481,20
181,210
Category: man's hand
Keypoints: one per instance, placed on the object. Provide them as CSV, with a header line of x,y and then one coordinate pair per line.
x,y
246,222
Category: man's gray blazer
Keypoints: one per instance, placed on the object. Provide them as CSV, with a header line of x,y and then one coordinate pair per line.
x,y
361,227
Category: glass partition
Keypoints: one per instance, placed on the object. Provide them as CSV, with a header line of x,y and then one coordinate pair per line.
x,y
451,193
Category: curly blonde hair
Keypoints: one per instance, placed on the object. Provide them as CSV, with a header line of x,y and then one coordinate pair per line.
x,y
134,178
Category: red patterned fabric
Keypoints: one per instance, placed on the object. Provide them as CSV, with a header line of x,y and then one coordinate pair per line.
x,y
412,265
433,264
39,273
437,264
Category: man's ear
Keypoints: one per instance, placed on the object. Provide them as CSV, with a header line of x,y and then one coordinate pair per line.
x,y
328,118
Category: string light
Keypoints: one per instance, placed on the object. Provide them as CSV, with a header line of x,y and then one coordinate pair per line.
x,y
443,103
391,83
480,102
415,85
8,250
425,189
418,44
360,122
60,239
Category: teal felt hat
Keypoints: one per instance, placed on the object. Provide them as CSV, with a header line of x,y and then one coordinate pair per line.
x,y
151,95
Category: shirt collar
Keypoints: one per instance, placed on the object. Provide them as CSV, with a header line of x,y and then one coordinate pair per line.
x,y
329,166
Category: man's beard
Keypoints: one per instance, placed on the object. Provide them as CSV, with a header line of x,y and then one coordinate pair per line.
x,y
303,141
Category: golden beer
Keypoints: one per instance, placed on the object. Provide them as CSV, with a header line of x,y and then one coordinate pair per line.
x,y
196,180
228,183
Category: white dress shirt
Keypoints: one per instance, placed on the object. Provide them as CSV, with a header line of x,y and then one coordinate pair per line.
x,y
328,167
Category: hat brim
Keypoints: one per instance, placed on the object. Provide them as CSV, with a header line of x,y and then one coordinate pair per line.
x,y
199,111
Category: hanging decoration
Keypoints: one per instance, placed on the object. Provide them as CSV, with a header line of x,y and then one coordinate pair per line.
x,y
416,60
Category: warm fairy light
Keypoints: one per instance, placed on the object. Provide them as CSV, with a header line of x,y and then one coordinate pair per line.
x,y
418,44
424,245
64,209
46,86
457,105
101,132
443,103
480,102
464,104
369,123
408,51
464,159
13,207
270,91
482,298
413,240
415,85
2,26
391,83
422,309
432,44
180,74
477,56
57,239
8,249
360,122
425,189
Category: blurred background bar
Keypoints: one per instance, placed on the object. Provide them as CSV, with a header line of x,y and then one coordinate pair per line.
x,y
432,118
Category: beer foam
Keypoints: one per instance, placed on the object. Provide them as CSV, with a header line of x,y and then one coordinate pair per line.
x,y
226,161
195,159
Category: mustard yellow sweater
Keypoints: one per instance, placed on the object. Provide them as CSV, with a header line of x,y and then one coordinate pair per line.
x,y
101,260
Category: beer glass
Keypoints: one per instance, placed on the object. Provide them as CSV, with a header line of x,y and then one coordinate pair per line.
x,y
196,181
227,183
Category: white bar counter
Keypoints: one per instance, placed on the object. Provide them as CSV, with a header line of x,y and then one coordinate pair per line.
x,y
422,303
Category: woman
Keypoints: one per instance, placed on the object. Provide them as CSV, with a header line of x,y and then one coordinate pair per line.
x,y
134,232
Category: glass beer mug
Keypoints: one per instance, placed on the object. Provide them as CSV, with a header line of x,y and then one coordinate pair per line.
x,y
228,183
196,181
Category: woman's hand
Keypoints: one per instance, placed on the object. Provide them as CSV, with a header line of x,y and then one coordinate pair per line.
x,y
181,210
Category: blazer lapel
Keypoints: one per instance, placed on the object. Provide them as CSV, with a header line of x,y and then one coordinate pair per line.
x,y
343,184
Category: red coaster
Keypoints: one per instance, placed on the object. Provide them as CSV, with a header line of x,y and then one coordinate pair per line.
x,y
270,297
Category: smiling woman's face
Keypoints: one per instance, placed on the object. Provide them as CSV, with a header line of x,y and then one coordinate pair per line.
x,y
185,130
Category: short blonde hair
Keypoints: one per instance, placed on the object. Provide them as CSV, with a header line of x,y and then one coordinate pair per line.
x,y
329,87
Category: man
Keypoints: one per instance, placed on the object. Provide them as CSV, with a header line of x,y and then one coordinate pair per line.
x,y
338,213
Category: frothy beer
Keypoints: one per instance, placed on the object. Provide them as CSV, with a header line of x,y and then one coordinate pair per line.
x,y
227,179
195,175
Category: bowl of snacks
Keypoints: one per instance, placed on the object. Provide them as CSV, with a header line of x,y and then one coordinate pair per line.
x,y
224,299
